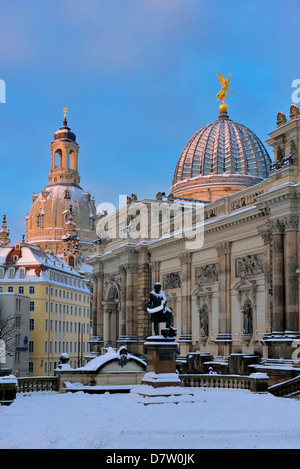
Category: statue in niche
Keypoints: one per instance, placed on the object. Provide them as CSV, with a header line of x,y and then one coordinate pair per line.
x,y
247,319
203,321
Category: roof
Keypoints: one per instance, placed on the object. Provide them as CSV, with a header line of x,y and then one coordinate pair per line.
x,y
223,147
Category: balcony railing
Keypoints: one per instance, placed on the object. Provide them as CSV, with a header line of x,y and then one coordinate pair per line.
x,y
38,383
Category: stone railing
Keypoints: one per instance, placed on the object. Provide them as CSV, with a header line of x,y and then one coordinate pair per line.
x,y
282,162
38,383
287,387
256,382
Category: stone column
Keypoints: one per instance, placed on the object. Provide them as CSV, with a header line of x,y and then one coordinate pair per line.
x,y
122,271
186,299
131,288
278,323
95,303
144,288
224,293
266,236
106,319
290,266
99,330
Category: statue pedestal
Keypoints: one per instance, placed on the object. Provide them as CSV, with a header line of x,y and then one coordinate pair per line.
x,y
161,362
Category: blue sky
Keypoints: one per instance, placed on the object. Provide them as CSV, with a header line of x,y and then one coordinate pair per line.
x,y
139,78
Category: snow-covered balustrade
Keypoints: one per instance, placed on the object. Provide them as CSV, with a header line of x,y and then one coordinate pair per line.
x,y
290,387
38,383
256,382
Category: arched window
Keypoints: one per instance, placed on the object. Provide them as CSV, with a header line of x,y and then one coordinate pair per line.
x,y
58,159
67,194
72,160
71,261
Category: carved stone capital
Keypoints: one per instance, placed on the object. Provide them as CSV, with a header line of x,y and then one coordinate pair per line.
x,y
276,227
185,258
266,236
155,266
290,223
131,268
223,248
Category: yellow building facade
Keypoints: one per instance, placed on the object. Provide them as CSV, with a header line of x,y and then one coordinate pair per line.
x,y
59,305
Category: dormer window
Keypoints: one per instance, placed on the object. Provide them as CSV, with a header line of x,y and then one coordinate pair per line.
x,y
11,273
22,273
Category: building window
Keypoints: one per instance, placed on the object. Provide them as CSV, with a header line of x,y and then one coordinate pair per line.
x,y
31,306
39,221
10,289
1,289
30,367
22,273
18,321
21,290
31,324
31,346
11,273
31,290
47,290
46,325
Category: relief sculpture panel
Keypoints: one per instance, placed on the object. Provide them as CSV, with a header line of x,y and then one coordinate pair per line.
x,y
247,266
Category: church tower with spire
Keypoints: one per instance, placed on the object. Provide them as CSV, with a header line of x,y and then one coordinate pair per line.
x,y
47,223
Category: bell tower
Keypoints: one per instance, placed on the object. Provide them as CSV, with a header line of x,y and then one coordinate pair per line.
x,y
64,156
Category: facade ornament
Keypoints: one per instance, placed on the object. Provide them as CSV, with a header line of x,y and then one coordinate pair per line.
x,y
276,226
206,273
4,233
281,119
185,258
223,248
247,266
171,280
290,223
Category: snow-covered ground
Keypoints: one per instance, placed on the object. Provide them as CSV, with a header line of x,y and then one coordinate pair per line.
x,y
212,418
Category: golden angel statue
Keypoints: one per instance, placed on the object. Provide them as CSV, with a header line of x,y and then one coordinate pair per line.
x,y
225,83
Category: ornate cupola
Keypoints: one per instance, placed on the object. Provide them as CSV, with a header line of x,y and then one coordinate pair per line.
x,y
221,158
49,216
64,156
